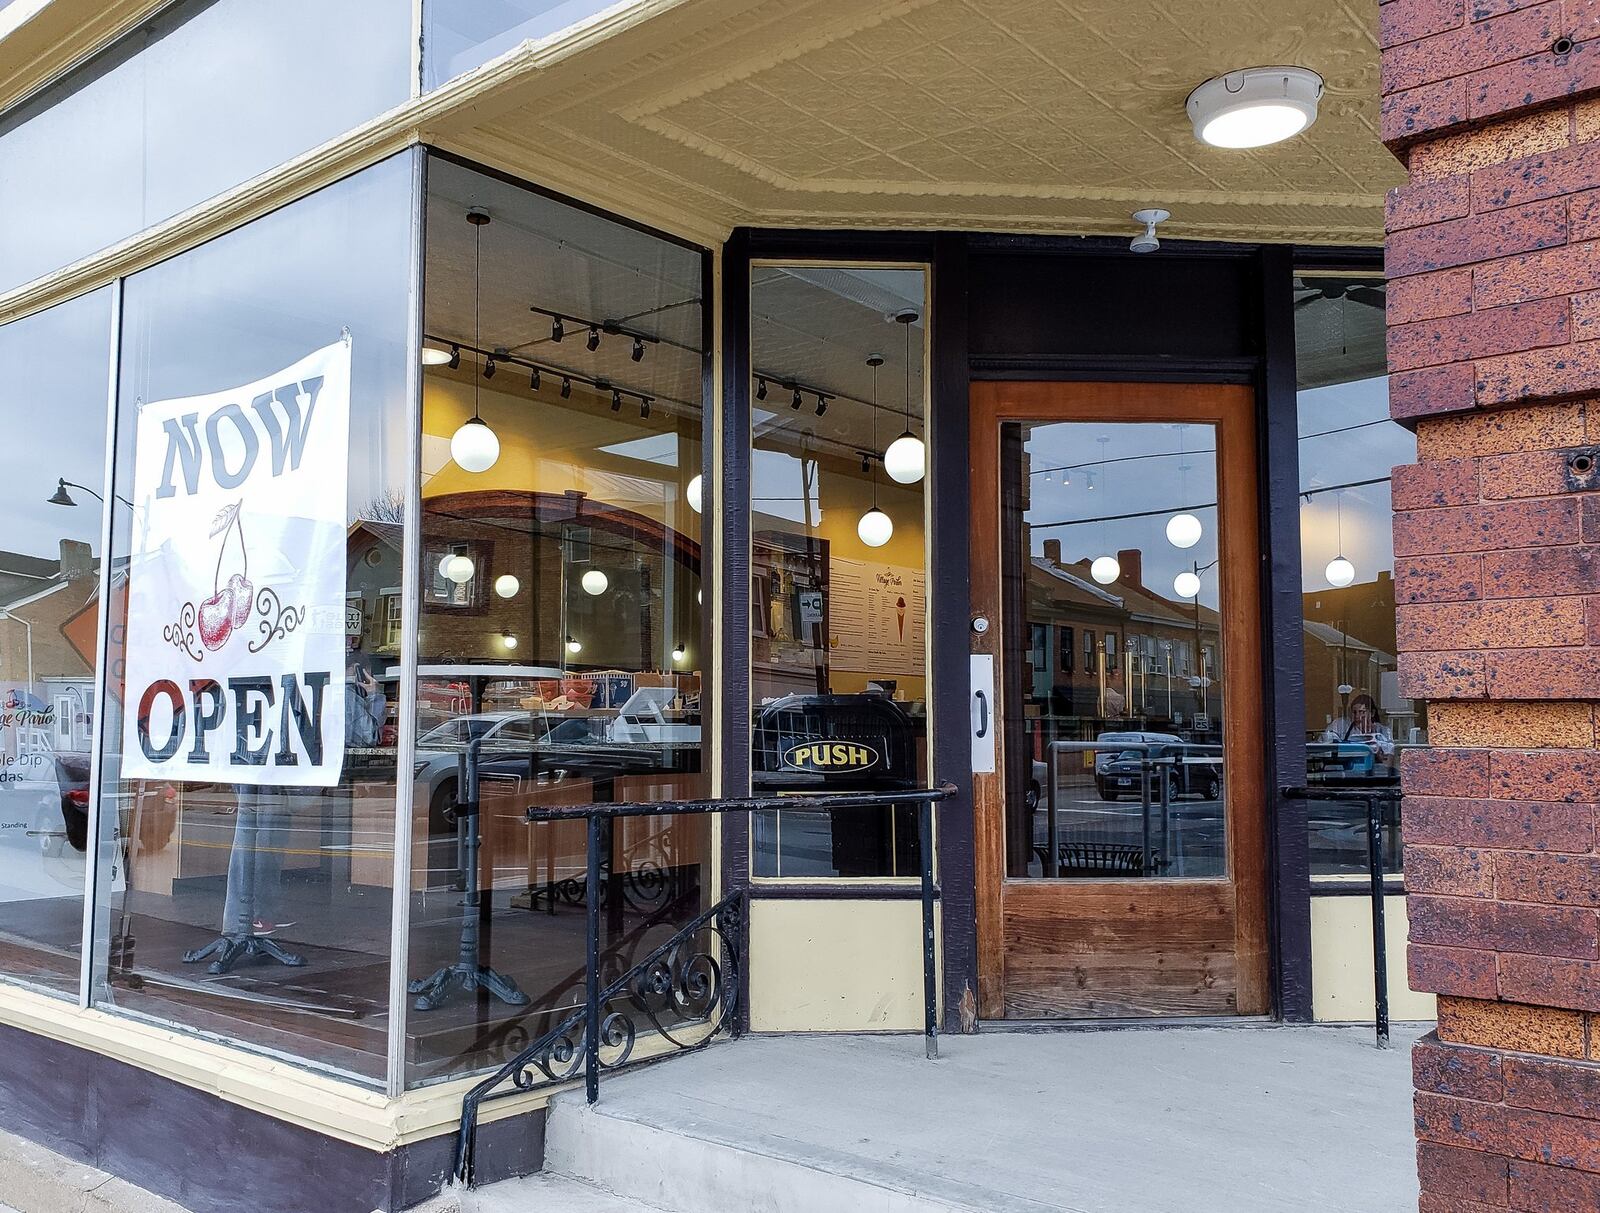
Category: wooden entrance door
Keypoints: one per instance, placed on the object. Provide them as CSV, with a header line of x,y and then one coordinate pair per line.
x,y
1114,556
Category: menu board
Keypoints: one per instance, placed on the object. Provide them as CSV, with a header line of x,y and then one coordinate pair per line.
x,y
876,618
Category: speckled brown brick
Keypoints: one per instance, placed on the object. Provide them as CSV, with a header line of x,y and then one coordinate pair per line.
x,y
1429,296
1538,275
1464,972
1438,578
1515,1027
1464,1174
1530,725
1555,775
1455,871
1505,824
1538,1188
1443,675
1447,1069
1441,772
1466,151
1541,572
1553,981
1540,1083
1535,428
1548,1137
1433,390
1571,880
1563,370
1540,522
1459,1122
1500,330
1543,674
1500,926
1482,44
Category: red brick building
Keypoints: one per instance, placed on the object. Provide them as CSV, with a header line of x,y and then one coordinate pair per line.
x,y
1493,306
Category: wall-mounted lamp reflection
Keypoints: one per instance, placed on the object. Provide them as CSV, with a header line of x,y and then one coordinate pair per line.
x,y
678,653
509,640
574,645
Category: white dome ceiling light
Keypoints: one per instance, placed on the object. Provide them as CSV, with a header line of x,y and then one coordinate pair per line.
x,y
1183,530
1105,569
459,569
695,493
1255,106
506,585
594,583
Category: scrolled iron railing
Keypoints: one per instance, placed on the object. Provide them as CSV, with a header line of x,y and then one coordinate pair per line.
x,y
685,993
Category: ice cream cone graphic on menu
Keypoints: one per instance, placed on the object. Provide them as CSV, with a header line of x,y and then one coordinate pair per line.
x,y
900,613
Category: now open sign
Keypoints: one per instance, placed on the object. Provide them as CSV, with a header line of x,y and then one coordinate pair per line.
x,y
235,642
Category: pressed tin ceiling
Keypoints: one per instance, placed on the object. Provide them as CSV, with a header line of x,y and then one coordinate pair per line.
x,y
1017,115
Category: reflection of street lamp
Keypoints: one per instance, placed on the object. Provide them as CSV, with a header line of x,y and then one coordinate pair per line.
x,y
62,497
28,627
1166,646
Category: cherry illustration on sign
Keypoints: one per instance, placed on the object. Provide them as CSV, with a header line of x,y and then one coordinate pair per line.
x,y
229,606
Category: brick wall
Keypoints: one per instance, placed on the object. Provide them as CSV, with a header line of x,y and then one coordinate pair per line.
x,y
1493,251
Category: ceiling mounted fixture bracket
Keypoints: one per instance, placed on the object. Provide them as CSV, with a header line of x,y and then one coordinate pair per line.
x,y
1147,241
1255,106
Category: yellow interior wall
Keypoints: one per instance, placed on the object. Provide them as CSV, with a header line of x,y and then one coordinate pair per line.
x,y
1341,962
835,966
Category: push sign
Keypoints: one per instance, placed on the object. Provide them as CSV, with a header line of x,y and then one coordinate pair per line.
x,y
831,757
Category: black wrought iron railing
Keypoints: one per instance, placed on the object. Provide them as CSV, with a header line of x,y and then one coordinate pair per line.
x,y
1375,800
685,993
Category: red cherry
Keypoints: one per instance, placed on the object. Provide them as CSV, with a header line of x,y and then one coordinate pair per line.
x,y
216,618
242,592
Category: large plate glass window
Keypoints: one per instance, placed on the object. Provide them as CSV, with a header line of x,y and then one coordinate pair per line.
x,y
1357,722
249,781
206,95
1111,531
56,366
838,561
561,637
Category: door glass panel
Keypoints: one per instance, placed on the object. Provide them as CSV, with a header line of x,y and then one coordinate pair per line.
x,y
1110,553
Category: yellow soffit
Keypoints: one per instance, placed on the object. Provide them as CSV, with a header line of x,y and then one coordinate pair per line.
x,y
1006,115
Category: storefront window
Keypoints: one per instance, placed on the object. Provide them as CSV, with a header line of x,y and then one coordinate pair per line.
x,y
56,366
204,97
838,561
561,638
459,35
1357,722
249,788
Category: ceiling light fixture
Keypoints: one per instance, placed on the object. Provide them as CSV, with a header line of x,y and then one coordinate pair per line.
x,y
695,493
638,349
1147,241
1104,569
1186,584
489,367
1340,572
434,355
1183,530
474,446
1255,106
594,583
459,568
761,389
594,338
566,387
796,402
616,401
507,639
906,459
533,380
874,527
506,586
557,329
822,404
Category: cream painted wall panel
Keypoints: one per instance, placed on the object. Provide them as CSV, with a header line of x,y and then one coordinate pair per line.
x,y
835,966
1341,962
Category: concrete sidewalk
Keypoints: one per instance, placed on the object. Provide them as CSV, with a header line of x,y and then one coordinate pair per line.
x,y
1185,1120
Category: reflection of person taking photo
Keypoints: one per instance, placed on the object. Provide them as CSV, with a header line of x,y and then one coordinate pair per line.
x,y
1361,725
365,707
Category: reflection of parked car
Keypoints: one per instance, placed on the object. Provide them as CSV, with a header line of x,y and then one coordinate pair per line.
x,y
72,777
1190,770
1103,758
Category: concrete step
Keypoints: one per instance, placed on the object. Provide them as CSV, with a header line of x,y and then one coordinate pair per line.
x,y
687,1163
546,1192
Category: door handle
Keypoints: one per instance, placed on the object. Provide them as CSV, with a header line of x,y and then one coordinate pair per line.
x,y
983,713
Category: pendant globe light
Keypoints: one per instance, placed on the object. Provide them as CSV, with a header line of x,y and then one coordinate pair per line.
x,y
594,582
875,527
906,459
1104,569
475,447
694,493
1183,530
1186,584
1340,572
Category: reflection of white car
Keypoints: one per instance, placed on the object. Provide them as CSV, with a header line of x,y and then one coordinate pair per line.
x,y
1104,758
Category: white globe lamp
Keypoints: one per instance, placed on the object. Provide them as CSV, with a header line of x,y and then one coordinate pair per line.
x,y
459,569
906,459
594,583
875,528
506,585
474,446
695,493
1105,569
1186,584
1340,572
1183,530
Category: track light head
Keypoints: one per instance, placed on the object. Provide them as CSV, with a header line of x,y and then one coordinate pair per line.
x,y
822,404
557,329
489,367
638,349
796,402
616,400
566,387
533,380
455,356
761,389
644,406
594,338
